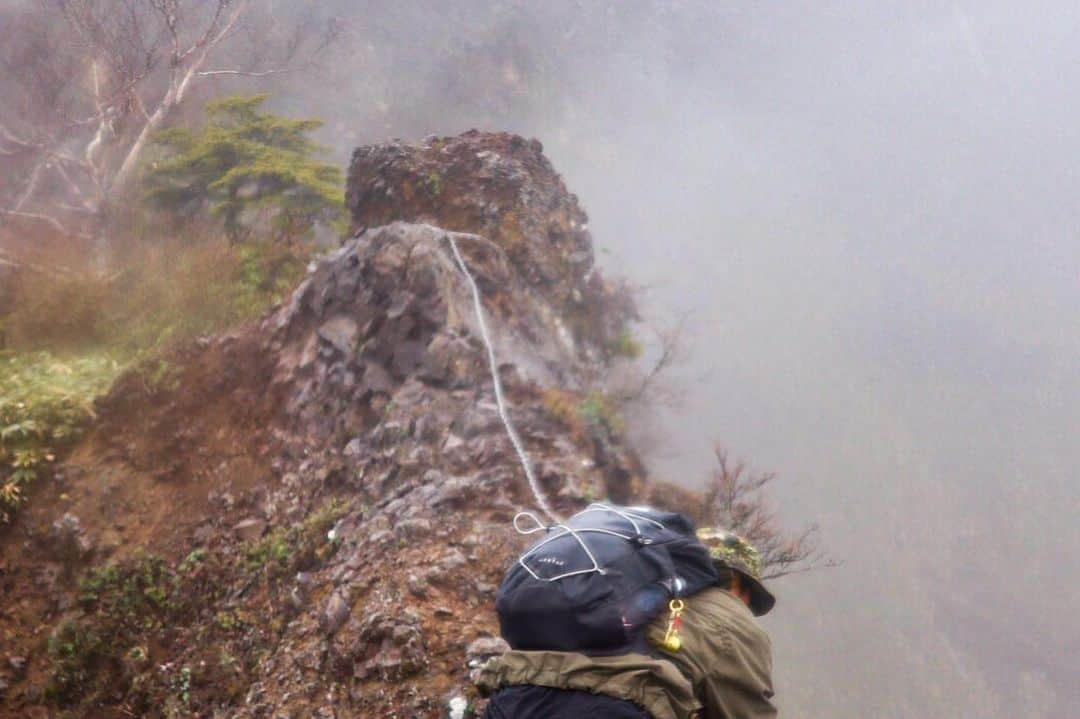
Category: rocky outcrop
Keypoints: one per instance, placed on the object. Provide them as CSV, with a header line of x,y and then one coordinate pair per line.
x,y
379,357
332,486
502,187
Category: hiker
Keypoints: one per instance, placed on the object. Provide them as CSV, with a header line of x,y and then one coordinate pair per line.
x,y
725,652
719,667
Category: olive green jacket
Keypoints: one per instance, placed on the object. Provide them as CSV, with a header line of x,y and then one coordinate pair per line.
x,y
722,671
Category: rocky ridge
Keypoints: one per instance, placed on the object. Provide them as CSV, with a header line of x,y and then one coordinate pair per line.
x,y
308,517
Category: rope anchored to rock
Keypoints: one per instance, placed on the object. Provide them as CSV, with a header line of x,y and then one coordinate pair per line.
x,y
500,400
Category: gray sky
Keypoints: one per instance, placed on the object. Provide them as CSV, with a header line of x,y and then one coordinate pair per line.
x,y
871,210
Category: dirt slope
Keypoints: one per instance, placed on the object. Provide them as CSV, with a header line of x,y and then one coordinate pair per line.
x,y
308,517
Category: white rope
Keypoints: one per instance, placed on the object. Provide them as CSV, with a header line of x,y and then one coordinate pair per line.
x,y
534,485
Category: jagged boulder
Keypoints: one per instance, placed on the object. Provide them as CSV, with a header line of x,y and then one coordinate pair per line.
x,y
502,187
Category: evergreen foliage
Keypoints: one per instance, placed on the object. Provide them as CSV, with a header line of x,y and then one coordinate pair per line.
x,y
244,164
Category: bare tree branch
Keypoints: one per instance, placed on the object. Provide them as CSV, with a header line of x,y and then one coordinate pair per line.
x,y
177,90
31,185
73,186
735,500
11,138
88,82
244,73
35,217
94,147
72,208
53,270
210,29
670,342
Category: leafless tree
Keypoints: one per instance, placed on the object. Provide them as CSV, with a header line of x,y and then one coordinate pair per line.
x,y
87,83
644,391
735,500
652,385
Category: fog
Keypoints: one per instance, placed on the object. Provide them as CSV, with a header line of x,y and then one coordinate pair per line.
x,y
870,212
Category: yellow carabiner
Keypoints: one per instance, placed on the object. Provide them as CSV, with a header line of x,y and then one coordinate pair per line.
x,y
672,641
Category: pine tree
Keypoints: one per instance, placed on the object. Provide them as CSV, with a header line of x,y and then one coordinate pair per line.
x,y
244,165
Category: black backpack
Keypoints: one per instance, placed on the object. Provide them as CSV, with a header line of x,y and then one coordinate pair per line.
x,y
594,581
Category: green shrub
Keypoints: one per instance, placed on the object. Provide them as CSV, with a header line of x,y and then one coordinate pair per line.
x,y
125,608
138,615
287,550
134,597
600,416
45,404
77,652
264,276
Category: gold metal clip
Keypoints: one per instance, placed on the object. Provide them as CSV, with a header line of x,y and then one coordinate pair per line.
x,y
672,641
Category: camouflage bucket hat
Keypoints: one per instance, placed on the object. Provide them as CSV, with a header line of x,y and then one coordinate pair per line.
x,y
732,551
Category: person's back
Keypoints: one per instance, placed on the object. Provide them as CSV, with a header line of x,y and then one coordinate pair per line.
x,y
529,701
721,670
724,653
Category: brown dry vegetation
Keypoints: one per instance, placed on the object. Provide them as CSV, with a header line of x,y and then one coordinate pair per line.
x,y
70,327
150,294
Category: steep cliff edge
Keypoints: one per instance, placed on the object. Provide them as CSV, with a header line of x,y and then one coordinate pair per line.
x,y
309,515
